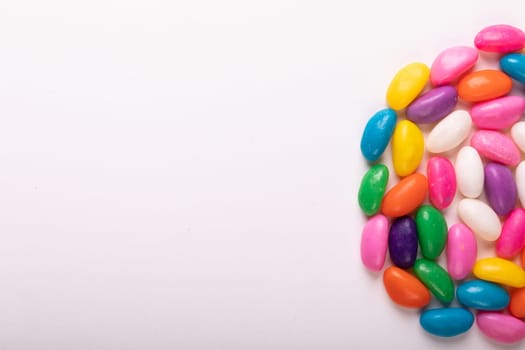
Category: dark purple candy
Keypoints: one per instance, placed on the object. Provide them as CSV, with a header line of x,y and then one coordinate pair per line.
x,y
433,105
402,242
500,188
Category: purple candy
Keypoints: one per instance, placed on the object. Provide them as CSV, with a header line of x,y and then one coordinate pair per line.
x,y
402,242
433,105
500,188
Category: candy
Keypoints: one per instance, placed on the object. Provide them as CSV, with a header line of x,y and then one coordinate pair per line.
x,y
495,146
512,238
372,189
451,63
469,172
502,328
446,322
449,132
517,303
523,258
374,242
500,271
500,188
514,65
480,218
431,231
407,147
500,113
482,295
405,196
433,105
484,85
520,182
461,251
500,38
405,289
441,182
436,279
406,85
377,134
402,242
517,132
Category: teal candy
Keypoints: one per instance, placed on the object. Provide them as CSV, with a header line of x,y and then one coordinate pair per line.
x,y
446,322
514,65
482,295
377,134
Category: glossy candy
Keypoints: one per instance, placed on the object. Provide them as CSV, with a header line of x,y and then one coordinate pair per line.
x,y
407,147
405,289
462,251
500,327
517,303
469,172
517,133
406,85
377,134
483,85
449,132
446,322
405,196
433,105
500,38
520,182
501,271
495,146
441,182
431,231
480,218
512,238
499,113
514,65
482,295
402,242
451,63
436,279
372,189
500,188
374,242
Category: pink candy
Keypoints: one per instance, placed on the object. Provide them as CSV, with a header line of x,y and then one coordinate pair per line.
x,y
500,38
462,251
451,63
499,113
374,242
512,238
496,146
501,327
442,181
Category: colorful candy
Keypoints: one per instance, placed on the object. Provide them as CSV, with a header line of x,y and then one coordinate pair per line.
x,y
483,85
402,242
436,279
405,289
451,63
406,85
441,182
405,196
517,303
377,134
372,189
500,188
407,147
446,322
514,65
462,250
482,295
512,238
500,327
374,242
495,146
433,105
469,172
499,113
520,182
500,38
431,231
480,218
500,271
517,133
449,132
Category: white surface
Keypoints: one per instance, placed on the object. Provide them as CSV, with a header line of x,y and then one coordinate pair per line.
x,y
183,174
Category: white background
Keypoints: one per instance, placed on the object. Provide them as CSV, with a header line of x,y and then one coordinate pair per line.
x,y
183,174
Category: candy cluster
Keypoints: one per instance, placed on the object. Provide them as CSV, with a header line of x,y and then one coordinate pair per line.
x,y
471,117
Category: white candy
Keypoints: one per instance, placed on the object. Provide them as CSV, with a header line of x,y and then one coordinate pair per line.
x,y
480,218
469,172
518,135
520,182
449,132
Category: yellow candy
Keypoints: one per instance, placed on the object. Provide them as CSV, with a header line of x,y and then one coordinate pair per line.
x,y
500,271
407,147
406,85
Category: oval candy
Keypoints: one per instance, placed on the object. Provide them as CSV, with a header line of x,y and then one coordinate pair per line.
x,y
431,231
446,322
520,182
482,295
512,238
402,242
500,188
500,327
450,132
517,303
501,271
451,63
499,113
377,134
407,147
406,85
436,279
372,189
470,174
514,65
500,38
433,105
495,146
517,132
374,242
441,182
462,251
405,196
483,85
405,289
480,218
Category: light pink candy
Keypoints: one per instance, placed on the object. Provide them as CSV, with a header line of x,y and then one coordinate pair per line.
x,y
451,63
501,327
512,238
499,113
374,242
495,146
441,181
462,251
500,38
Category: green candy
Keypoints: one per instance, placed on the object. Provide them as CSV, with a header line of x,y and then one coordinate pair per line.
x,y
436,279
372,189
431,231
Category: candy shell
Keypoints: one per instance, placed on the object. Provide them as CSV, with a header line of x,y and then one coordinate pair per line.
x,y
406,85
495,146
483,85
377,134
402,242
514,65
500,327
512,238
517,303
500,271
441,182
451,63
374,242
405,289
501,38
499,113
450,132
407,147
470,175
405,196
433,105
446,322
500,188
462,251
480,218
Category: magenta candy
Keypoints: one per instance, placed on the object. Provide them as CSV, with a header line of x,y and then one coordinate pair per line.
x,y
433,105
496,146
451,63
441,181
499,113
500,327
374,242
501,38
500,188
512,238
462,251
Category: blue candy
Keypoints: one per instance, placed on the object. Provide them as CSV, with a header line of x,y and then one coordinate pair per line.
x,y
446,322
377,134
482,295
514,65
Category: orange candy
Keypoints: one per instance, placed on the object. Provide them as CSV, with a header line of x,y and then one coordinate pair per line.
x,y
406,196
405,289
484,85
517,303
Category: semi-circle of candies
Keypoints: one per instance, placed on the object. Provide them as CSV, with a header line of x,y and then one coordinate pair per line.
x,y
474,111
